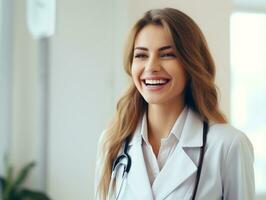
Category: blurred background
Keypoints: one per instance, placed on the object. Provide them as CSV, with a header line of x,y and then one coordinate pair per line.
x,y
61,73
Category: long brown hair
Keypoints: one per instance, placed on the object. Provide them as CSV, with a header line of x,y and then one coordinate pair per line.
x,y
200,91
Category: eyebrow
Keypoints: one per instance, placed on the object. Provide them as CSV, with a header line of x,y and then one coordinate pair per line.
x,y
160,49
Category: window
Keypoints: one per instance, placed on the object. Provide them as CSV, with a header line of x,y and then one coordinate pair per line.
x,y
248,85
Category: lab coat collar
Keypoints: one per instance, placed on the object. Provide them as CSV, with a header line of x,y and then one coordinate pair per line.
x,y
136,138
138,180
192,131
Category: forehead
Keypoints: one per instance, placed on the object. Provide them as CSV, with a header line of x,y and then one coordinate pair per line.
x,y
153,37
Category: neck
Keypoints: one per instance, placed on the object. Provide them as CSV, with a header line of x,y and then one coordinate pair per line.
x,y
161,118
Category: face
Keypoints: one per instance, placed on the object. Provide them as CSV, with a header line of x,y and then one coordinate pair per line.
x,y
156,71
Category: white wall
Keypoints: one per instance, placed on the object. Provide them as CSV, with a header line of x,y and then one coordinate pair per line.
x,y
82,57
24,82
258,5
86,77
2,101
5,78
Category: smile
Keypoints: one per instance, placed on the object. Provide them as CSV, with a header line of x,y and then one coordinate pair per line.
x,y
154,84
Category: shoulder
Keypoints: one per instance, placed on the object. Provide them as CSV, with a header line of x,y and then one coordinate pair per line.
x,y
226,133
99,162
229,139
234,152
100,156
101,137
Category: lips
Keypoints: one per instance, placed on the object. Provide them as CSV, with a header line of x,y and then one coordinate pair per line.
x,y
155,83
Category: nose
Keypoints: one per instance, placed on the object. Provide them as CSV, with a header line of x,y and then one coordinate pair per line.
x,y
153,64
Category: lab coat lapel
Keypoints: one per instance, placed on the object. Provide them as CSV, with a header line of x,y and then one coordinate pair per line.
x,y
138,180
179,167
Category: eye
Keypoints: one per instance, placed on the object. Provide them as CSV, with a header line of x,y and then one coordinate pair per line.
x,y
168,55
140,55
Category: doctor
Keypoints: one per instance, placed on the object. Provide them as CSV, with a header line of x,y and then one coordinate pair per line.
x,y
168,139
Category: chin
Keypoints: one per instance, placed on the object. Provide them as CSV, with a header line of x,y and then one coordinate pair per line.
x,y
152,100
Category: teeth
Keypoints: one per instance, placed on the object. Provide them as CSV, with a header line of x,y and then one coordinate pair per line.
x,y
161,81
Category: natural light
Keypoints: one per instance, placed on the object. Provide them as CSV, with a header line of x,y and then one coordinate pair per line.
x,y
248,85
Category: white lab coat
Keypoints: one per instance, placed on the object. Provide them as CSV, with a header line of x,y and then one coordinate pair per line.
x,y
227,169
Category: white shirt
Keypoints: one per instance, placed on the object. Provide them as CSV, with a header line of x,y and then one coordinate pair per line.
x,y
168,144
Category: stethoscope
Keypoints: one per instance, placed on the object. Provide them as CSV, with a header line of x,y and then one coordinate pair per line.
x,y
124,161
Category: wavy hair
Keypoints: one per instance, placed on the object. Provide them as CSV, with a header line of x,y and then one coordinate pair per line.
x,y
200,91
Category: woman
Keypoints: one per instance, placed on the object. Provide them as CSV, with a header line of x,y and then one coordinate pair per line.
x,y
168,122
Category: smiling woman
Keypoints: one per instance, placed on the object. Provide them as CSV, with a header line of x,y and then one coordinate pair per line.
x,y
169,139
156,70
158,75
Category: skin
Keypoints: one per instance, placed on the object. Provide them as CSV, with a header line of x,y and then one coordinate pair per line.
x,y
165,105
